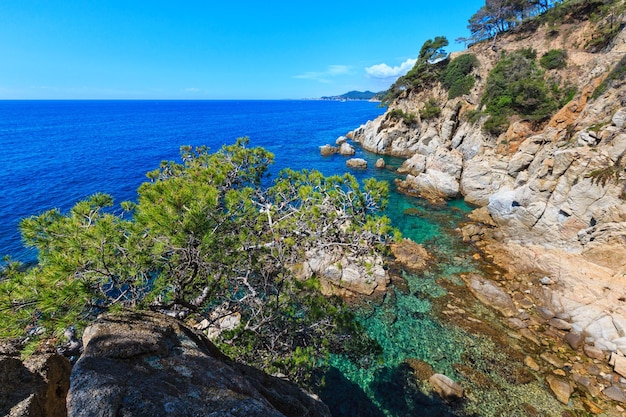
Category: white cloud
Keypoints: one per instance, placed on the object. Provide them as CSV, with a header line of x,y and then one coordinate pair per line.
x,y
385,71
325,76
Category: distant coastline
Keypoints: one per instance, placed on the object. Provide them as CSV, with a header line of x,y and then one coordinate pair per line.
x,y
357,96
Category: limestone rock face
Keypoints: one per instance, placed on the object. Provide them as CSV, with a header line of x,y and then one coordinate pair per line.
x,y
36,387
152,365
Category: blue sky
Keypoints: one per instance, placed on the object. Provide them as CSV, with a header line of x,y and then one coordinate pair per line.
x,y
110,49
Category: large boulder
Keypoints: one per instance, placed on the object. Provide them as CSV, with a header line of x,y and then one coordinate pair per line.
x,y
36,387
148,364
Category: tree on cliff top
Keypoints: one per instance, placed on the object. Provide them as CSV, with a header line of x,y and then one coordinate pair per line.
x,y
206,236
423,73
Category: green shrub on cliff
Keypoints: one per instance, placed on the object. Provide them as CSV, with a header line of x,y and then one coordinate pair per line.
x,y
517,86
206,235
423,74
554,59
457,76
430,110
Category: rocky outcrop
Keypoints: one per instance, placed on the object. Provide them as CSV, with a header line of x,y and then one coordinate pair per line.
x,y
147,364
36,387
551,195
345,275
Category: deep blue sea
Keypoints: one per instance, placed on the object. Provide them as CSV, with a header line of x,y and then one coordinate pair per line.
x,y
54,153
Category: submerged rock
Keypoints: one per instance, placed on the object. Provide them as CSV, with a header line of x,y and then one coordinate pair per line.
x,y
446,388
410,254
148,364
489,293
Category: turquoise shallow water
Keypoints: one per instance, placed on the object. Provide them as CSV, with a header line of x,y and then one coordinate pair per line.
x,y
409,326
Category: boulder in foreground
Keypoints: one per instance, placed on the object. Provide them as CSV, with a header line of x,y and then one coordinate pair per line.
x,y
148,364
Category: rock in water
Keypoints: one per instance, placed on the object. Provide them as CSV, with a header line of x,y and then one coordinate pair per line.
x,y
356,163
489,293
380,163
328,150
446,388
346,149
410,254
148,364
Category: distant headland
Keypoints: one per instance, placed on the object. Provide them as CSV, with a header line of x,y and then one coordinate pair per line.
x,y
357,95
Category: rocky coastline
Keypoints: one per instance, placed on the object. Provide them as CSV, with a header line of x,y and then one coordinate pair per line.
x,y
556,237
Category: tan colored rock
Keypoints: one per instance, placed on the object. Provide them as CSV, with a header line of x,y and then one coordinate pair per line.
x,y
562,389
446,388
380,163
552,359
346,149
410,254
531,363
490,294
358,163
328,150
618,362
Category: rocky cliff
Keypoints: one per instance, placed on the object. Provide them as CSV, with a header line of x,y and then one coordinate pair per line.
x,y
549,194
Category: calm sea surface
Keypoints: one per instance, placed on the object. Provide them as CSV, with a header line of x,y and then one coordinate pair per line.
x,y
54,153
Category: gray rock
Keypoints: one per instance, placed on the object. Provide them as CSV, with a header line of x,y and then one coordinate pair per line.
x,y
36,387
619,118
559,324
152,365
575,339
446,388
594,353
615,394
